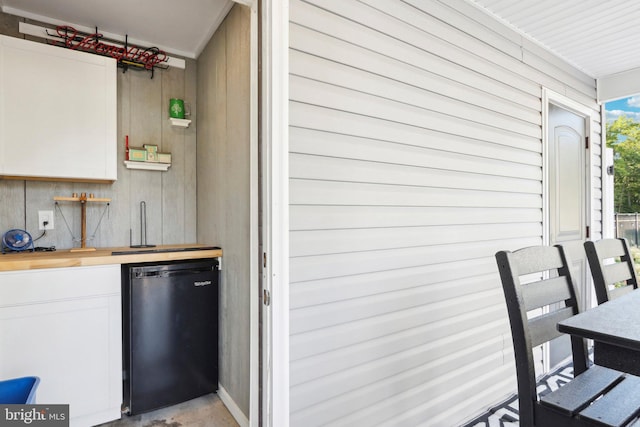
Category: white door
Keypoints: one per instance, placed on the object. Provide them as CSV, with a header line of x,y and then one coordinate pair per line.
x,y
566,154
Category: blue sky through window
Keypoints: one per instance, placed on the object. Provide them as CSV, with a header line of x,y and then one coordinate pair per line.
x,y
626,106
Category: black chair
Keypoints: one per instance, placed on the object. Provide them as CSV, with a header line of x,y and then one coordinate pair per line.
x,y
597,395
612,268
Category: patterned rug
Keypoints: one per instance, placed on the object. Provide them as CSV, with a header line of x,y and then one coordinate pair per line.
x,y
505,414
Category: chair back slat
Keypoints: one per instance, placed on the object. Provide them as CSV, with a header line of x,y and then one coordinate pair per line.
x,y
544,328
601,256
610,248
616,292
616,273
545,292
535,259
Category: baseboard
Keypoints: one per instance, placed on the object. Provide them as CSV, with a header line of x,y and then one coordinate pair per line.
x,y
240,417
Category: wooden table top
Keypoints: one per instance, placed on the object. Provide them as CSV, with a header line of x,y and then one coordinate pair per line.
x,y
103,256
616,322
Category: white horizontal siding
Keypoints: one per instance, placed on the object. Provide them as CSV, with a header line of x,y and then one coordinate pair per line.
x,y
306,192
341,359
415,155
322,217
327,315
424,170
407,86
350,264
339,98
317,40
386,390
504,162
598,175
320,242
304,116
383,33
344,55
358,330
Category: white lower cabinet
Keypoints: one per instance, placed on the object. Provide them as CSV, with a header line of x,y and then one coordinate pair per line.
x,y
64,325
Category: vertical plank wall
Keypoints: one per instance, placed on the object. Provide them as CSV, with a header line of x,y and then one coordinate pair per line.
x,y
415,155
224,189
170,196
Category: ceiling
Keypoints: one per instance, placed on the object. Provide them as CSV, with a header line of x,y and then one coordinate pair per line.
x,y
180,27
601,37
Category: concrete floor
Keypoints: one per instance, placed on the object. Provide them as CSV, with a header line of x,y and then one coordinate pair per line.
x,y
205,411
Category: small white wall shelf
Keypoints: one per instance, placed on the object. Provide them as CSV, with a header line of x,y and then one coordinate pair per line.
x,y
152,166
183,123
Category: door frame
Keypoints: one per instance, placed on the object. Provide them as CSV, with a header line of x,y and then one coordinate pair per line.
x,y
256,236
274,132
254,256
551,97
608,190
562,101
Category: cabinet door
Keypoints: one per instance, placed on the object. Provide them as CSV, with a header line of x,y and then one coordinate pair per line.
x,y
64,325
58,112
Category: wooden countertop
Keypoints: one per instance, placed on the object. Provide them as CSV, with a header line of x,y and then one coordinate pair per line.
x,y
103,256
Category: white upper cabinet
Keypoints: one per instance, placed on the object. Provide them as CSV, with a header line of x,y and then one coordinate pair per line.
x,y
58,113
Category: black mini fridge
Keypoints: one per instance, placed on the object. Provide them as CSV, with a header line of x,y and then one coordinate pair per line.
x,y
170,333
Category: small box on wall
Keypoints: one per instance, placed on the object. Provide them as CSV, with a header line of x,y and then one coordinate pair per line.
x,y
176,108
137,154
152,152
164,157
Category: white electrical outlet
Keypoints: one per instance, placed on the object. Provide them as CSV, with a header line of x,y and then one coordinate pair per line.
x,y
45,216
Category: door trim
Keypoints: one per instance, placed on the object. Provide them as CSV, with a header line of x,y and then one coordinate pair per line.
x,y
551,97
607,184
274,20
254,236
